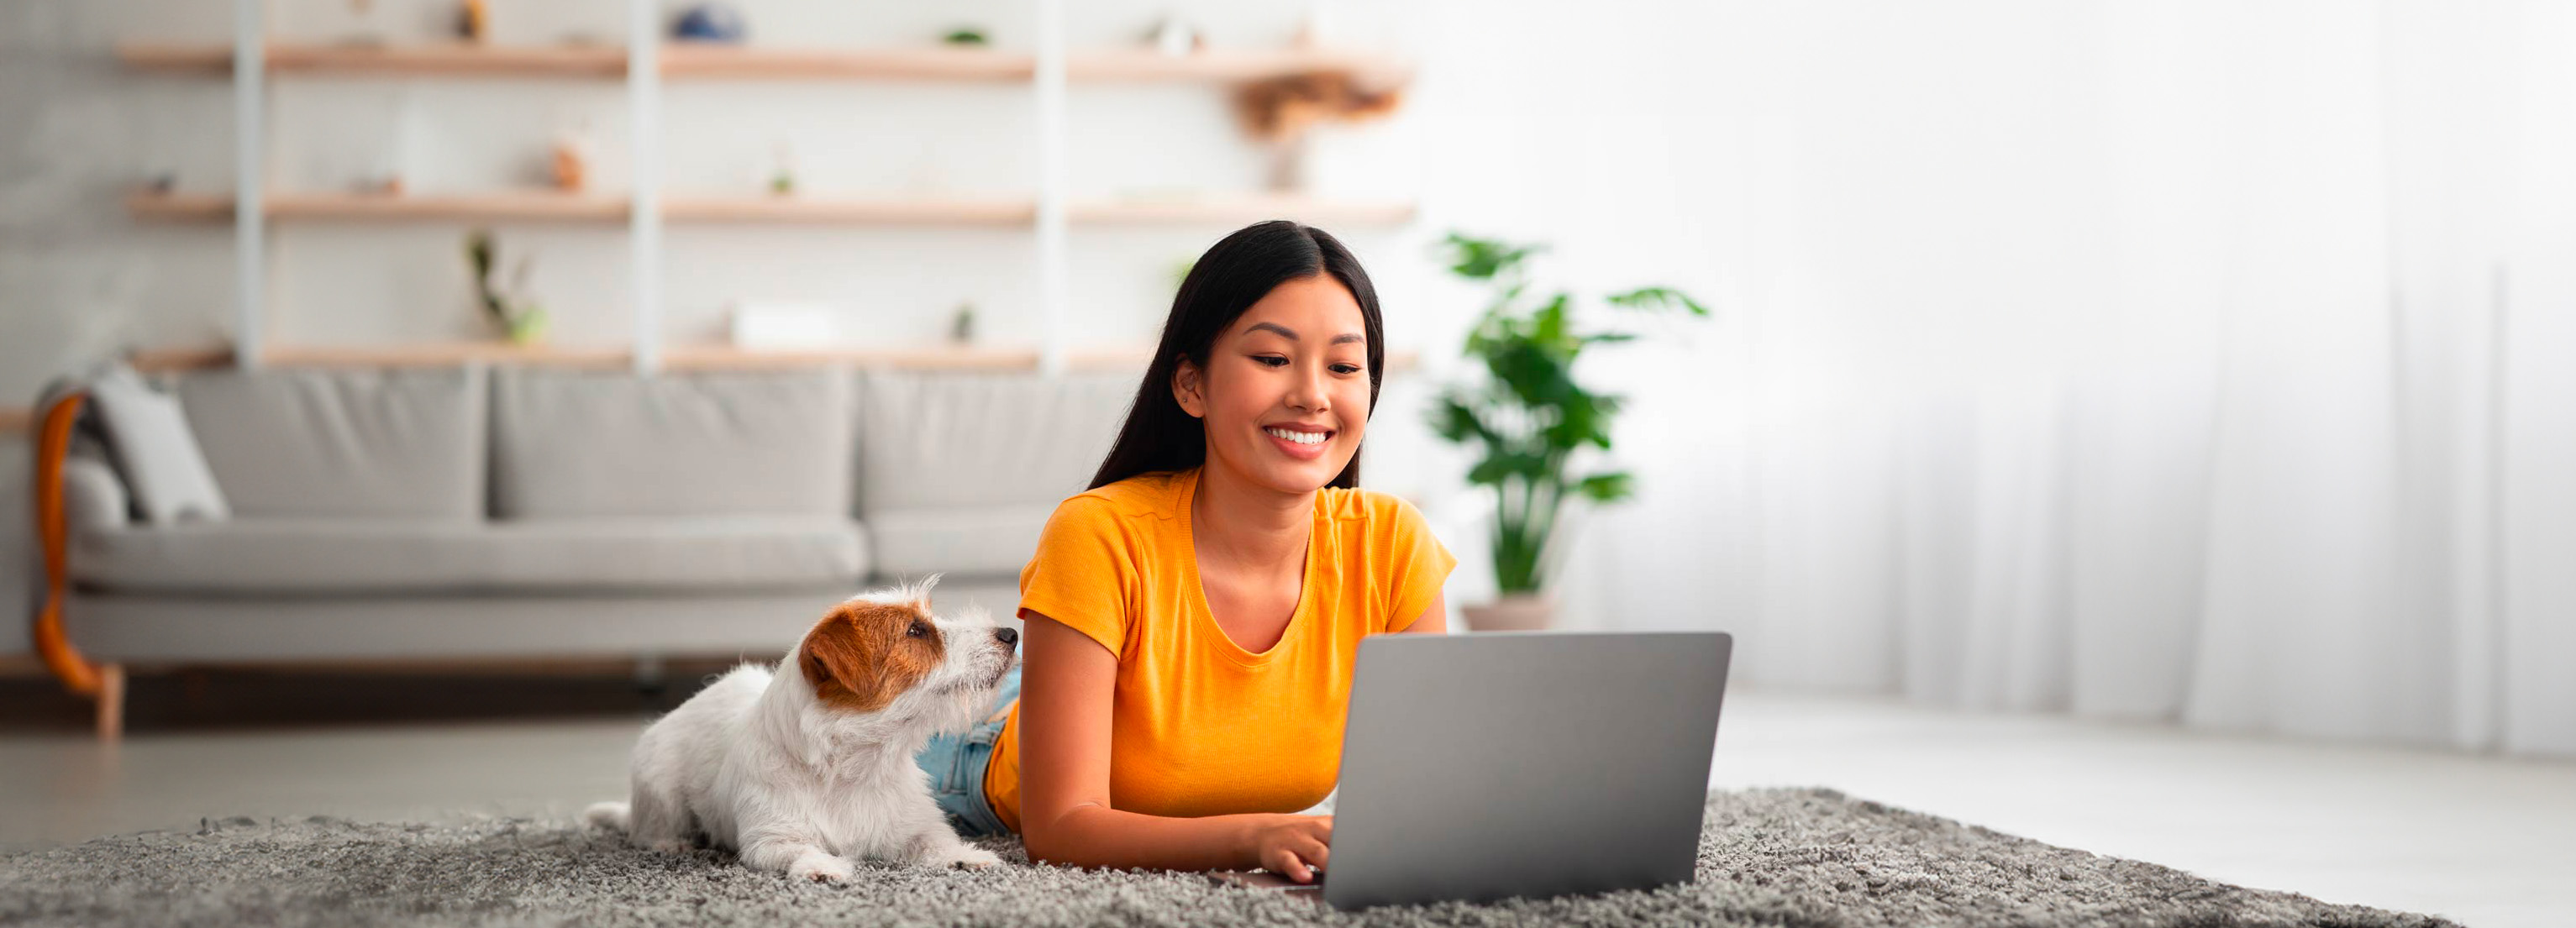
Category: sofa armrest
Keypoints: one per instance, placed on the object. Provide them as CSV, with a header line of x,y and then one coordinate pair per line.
x,y
93,498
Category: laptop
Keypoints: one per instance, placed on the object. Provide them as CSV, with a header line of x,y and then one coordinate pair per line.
x,y
1497,764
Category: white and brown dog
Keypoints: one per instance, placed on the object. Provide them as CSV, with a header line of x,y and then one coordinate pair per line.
x,y
809,768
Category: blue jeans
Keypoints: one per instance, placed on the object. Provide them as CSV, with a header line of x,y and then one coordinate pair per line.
x,y
956,764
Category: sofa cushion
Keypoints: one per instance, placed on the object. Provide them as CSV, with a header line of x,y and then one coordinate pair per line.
x,y
345,443
962,541
934,440
583,444
316,555
150,439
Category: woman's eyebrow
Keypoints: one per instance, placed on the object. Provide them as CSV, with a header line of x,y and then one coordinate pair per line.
x,y
1292,336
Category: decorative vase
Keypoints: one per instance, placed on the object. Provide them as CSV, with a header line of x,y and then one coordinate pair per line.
x,y
1288,164
571,159
528,328
1514,612
473,21
710,22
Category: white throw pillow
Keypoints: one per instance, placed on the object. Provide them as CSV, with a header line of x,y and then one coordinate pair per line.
x,y
148,436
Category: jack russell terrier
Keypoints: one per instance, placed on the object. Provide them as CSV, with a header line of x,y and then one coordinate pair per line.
x,y
811,767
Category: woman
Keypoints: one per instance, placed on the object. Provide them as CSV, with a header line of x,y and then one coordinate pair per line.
x,y
1192,619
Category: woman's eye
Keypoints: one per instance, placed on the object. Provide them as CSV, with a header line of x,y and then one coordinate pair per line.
x,y
1346,369
1271,360
917,630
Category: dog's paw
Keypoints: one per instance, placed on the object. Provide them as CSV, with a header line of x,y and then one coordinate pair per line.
x,y
820,868
964,857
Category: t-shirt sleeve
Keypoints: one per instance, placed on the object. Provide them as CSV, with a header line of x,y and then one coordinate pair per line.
x,y
1419,564
1083,573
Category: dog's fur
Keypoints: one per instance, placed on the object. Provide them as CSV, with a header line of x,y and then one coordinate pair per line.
x,y
811,767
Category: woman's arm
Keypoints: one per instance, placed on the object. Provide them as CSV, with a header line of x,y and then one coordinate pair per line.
x,y
1434,618
1066,683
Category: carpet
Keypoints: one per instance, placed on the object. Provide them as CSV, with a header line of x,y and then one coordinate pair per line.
x,y
1811,858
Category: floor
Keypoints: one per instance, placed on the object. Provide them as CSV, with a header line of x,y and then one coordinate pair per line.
x,y
2489,842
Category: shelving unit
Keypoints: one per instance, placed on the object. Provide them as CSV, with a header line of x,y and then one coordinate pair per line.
x,y
692,62
643,65
681,357
551,206
439,60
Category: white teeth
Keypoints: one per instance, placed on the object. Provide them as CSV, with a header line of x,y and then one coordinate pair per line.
x,y
1303,438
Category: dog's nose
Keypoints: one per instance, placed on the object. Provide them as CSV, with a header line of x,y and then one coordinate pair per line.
x,y
1008,636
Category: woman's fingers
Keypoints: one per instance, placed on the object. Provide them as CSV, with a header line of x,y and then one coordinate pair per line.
x,y
1315,852
1284,862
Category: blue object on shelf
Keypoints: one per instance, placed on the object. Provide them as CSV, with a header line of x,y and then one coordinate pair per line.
x,y
709,22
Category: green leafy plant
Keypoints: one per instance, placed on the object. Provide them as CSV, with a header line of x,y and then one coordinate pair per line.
x,y
1527,413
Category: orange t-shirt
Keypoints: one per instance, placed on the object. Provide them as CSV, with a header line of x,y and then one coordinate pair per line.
x,y
1198,725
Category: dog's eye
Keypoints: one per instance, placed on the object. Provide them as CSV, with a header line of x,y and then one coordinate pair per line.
x,y
918,629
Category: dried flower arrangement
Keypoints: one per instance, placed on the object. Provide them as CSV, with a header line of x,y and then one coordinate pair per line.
x,y
1281,110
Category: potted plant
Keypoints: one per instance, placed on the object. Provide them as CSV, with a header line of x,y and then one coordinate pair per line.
x,y
1528,416
517,317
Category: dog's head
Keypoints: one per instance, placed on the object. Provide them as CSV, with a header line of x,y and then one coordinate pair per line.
x,y
884,654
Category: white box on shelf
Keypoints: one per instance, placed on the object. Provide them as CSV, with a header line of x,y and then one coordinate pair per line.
x,y
770,325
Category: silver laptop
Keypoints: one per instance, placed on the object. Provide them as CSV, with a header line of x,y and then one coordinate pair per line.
x,y
1490,765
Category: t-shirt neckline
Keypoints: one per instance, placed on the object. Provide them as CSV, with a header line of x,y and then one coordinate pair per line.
x,y
1205,615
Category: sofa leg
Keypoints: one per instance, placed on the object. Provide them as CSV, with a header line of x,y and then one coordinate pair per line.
x,y
650,675
111,703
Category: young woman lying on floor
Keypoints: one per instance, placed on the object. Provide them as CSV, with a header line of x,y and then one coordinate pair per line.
x,y
1192,619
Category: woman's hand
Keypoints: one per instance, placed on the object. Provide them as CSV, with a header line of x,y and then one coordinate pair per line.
x,y
1287,844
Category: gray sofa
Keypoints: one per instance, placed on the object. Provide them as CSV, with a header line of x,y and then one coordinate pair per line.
x,y
476,512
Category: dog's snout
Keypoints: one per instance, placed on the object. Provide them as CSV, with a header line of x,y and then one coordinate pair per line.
x,y
1008,636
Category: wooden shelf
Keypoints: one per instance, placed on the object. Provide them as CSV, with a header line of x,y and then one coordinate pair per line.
x,y
1241,208
687,60
930,63
179,207
857,211
1228,65
178,58
963,357
539,205
443,354
445,60
676,357
548,206
938,63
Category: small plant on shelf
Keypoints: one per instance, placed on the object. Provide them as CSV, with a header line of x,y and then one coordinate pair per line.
x,y
517,317
1529,416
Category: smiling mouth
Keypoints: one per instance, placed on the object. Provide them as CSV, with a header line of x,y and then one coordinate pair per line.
x,y
1297,437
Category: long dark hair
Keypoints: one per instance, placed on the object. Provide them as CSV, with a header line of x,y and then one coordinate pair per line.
x,y
1235,273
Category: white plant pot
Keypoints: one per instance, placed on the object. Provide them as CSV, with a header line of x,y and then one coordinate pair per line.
x,y
1518,612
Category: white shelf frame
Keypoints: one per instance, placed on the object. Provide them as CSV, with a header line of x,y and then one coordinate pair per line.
x,y
644,214
250,176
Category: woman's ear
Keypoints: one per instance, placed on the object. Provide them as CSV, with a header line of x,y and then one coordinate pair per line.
x,y
1188,389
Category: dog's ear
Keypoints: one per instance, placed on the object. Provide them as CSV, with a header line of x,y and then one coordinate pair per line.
x,y
865,654
841,661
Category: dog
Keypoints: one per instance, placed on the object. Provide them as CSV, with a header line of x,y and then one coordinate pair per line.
x,y
810,767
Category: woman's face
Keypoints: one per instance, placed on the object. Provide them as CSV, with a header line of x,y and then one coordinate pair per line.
x,y
1286,391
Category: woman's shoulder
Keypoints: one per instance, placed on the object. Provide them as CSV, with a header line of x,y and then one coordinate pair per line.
x,y
1374,508
1155,494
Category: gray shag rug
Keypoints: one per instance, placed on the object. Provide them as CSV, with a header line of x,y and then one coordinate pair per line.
x,y
1784,857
